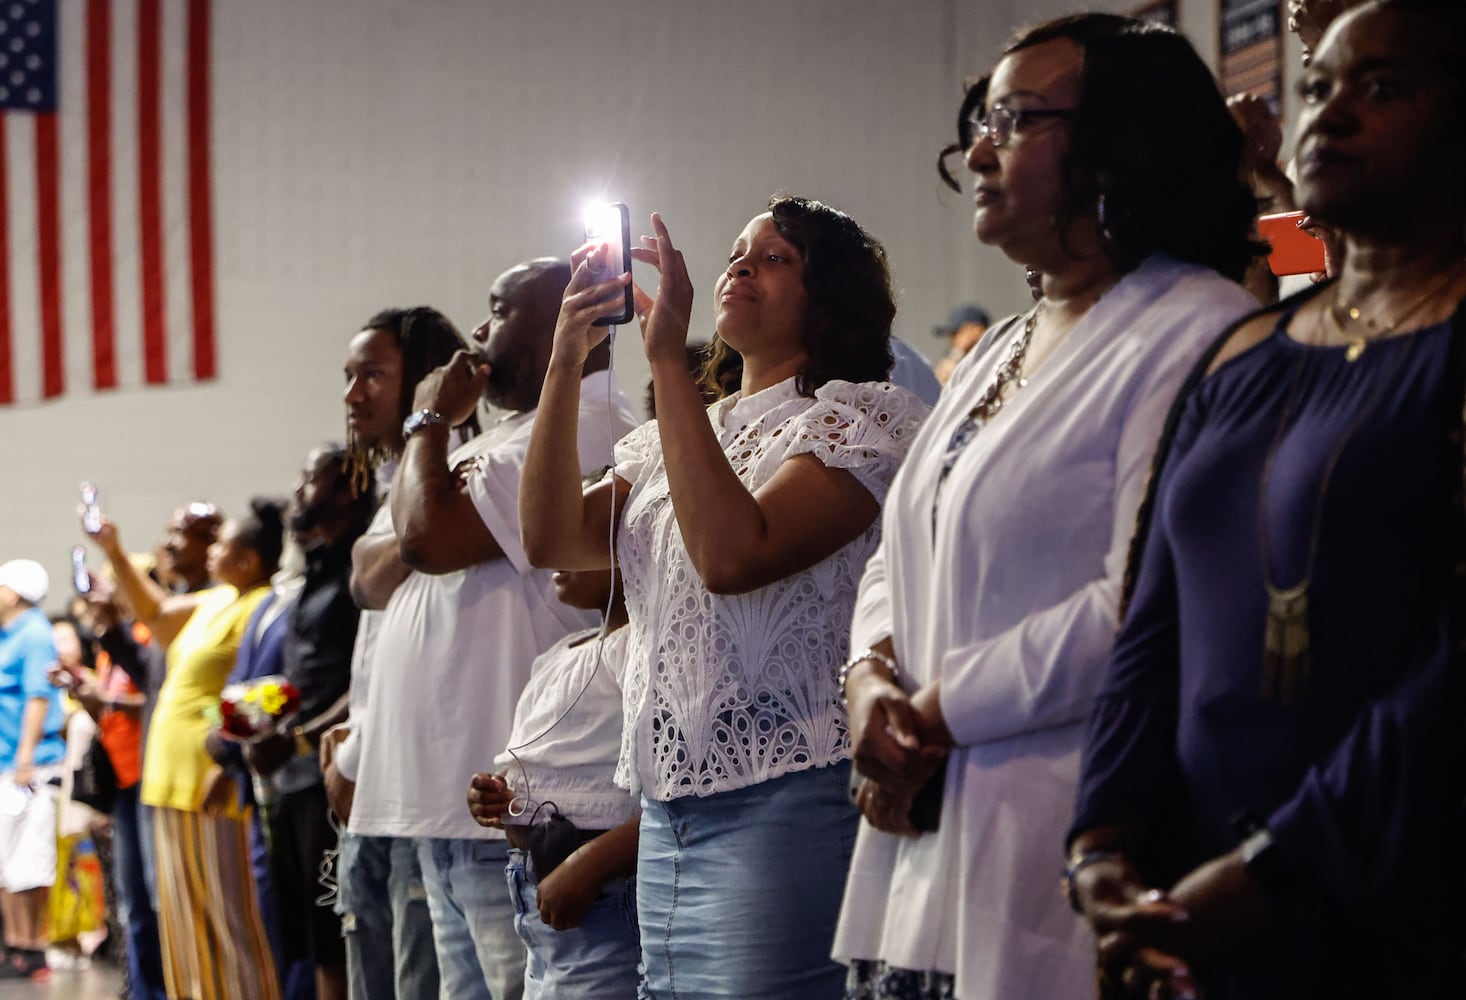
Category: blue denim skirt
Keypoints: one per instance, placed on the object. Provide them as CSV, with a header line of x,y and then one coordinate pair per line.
x,y
738,893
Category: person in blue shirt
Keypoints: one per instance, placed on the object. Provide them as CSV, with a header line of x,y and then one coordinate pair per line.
x,y
31,745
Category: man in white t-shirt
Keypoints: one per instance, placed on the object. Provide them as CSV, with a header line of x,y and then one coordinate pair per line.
x,y
457,639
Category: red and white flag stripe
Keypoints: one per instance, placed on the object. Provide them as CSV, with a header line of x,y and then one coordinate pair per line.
x,y
107,261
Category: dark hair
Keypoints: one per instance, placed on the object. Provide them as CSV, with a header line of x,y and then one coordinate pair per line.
x,y
847,329
85,638
262,531
427,340
1153,147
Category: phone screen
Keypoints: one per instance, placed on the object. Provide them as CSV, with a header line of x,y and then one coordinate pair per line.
x,y
611,224
80,578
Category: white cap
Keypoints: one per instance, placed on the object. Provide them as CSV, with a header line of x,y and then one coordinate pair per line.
x,y
27,578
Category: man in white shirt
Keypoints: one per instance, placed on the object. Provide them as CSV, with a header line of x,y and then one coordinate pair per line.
x,y
459,634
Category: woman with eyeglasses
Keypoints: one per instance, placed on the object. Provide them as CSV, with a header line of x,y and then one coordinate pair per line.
x,y
1272,801
1103,159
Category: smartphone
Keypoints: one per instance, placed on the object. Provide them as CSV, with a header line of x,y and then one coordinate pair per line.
x,y
611,225
1294,250
926,806
80,578
91,515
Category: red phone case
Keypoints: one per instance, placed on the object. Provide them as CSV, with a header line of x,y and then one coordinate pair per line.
x,y
1294,251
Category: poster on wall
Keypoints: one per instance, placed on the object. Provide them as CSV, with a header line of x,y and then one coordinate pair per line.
x,y
1251,33
1161,11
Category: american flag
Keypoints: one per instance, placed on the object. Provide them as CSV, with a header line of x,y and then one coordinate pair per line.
x,y
106,222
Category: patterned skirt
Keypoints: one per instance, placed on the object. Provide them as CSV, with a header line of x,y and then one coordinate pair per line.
x,y
875,980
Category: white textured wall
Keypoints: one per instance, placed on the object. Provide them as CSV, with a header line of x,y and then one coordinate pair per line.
x,y
379,152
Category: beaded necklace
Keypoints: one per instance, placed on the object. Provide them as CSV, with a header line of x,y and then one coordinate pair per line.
x,y
988,405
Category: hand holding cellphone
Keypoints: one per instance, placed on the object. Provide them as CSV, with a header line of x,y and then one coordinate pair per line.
x,y
611,225
1294,250
81,579
91,514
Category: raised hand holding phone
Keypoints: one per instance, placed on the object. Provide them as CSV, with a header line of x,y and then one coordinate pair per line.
x,y
91,513
590,295
80,578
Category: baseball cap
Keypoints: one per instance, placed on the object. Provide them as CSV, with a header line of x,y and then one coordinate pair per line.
x,y
960,317
27,578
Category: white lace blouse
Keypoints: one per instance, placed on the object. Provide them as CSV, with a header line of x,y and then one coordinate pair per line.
x,y
722,692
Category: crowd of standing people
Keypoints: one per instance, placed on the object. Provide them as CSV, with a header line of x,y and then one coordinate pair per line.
x,y
804,688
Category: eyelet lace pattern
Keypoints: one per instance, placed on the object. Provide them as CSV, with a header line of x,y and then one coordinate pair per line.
x,y
723,692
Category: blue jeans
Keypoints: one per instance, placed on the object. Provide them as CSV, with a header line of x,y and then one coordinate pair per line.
x,y
384,917
479,955
738,893
599,958
135,910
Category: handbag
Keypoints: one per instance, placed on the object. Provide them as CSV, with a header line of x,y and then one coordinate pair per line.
x,y
94,782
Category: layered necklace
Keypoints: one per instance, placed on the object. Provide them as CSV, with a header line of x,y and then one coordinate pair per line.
x,y
1286,657
1337,313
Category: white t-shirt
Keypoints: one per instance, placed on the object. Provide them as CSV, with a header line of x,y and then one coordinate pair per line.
x,y
567,734
727,691
453,651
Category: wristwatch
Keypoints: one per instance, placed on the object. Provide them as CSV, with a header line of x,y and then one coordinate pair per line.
x,y
418,420
1076,863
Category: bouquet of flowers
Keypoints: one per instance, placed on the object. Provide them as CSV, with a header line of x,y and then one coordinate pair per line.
x,y
253,711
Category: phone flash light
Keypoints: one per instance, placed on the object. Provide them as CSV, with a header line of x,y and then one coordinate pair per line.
x,y
602,221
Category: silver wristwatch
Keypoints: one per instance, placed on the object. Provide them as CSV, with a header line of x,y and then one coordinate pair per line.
x,y
418,420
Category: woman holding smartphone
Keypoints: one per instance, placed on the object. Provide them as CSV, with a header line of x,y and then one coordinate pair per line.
x,y
986,615
741,531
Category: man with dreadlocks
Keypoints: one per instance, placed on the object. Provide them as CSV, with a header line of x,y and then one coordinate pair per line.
x,y
389,936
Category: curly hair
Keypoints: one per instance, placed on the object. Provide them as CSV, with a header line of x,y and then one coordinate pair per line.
x,y
427,340
1153,148
847,328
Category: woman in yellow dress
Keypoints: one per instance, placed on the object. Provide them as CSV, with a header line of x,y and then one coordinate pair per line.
x,y
213,940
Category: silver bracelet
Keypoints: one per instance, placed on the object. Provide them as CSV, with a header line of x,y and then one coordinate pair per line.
x,y
889,662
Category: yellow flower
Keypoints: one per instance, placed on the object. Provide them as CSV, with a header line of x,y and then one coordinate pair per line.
x,y
272,699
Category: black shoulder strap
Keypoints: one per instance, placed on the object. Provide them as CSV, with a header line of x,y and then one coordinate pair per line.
x,y
1168,433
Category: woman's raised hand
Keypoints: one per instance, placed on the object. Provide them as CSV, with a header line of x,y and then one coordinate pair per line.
x,y
591,294
664,319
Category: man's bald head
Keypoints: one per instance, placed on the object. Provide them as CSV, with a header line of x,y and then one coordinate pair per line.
x,y
516,337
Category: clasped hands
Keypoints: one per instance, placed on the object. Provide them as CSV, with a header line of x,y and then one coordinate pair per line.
x,y
1147,939
897,742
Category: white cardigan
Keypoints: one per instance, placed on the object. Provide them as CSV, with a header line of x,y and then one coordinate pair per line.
x,y
1012,605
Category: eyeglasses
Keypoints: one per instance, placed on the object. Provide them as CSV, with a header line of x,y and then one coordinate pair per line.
x,y
998,124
